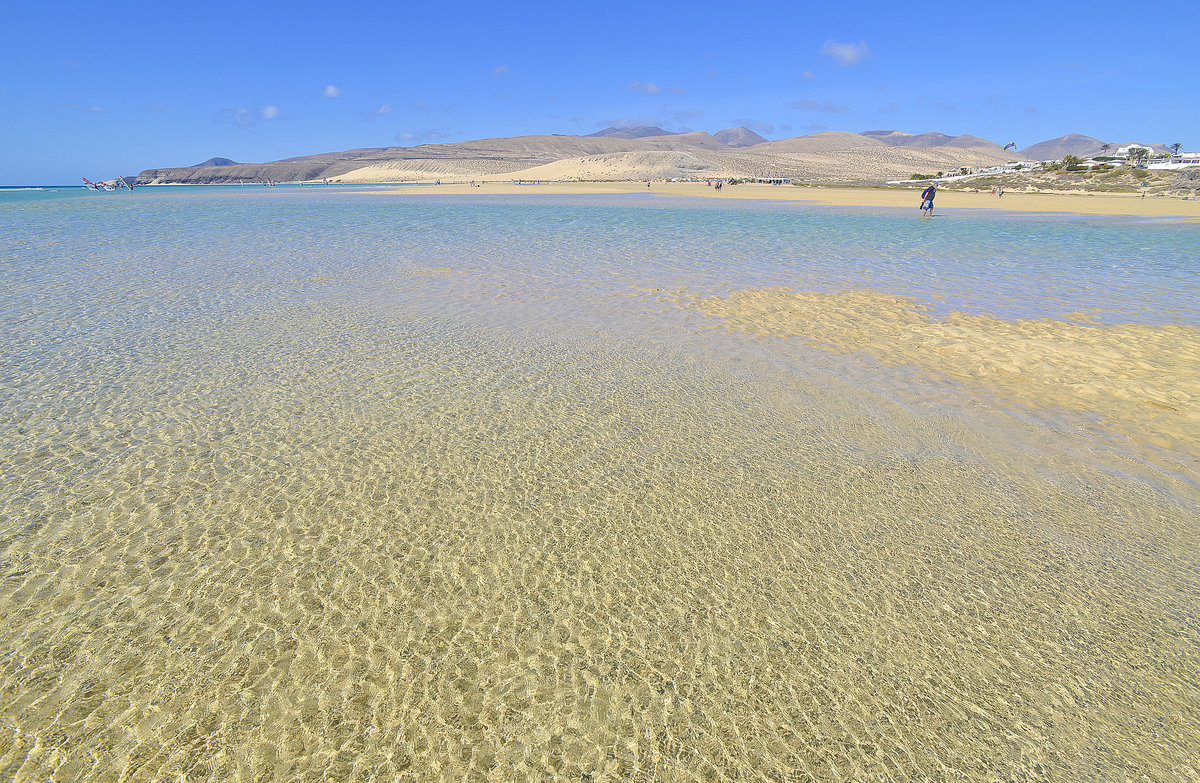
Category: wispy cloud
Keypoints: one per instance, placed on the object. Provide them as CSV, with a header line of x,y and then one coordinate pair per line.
x,y
846,53
630,122
754,125
828,107
156,107
84,109
891,107
379,111
332,92
248,118
807,75
816,127
500,70
650,88
937,104
429,134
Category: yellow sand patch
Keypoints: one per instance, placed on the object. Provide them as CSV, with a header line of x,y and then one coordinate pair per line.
x,y
1141,374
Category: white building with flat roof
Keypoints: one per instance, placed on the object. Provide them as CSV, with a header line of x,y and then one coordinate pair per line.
x,y
1180,161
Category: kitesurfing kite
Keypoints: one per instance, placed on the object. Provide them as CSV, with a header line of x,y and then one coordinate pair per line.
x,y
1012,145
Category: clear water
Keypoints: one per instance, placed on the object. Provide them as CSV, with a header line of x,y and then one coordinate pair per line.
x,y
330,484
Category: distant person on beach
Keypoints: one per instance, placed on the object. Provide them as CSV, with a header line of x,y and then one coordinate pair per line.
x,y
927,196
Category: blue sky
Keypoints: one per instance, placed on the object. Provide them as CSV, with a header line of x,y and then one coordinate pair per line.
x,y
100,89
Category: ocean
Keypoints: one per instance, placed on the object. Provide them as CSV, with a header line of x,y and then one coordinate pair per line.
x,y
339,484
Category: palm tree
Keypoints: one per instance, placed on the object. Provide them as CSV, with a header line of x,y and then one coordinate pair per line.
x,y
1105,147
1175,149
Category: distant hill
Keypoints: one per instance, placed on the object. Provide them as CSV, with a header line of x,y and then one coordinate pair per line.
x,y
931,139
826,141
639,132
738,137
1071,144
219,162
901,139
615,154
1081,146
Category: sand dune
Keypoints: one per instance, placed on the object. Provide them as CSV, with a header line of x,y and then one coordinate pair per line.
x,y
831,157
870,164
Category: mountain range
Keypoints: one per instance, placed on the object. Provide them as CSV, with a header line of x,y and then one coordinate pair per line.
x,y
643,152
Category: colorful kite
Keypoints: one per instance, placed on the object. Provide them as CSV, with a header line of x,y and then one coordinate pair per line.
x,y
1012,145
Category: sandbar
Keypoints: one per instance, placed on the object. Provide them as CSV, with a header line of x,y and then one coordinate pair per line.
x,y
948,200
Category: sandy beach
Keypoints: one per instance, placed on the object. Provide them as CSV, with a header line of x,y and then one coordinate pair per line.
x,y
948,200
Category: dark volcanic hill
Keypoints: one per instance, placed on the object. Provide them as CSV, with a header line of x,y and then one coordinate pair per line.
x,y
218,162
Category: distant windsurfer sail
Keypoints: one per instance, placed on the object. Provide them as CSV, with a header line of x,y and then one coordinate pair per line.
x,y
106,185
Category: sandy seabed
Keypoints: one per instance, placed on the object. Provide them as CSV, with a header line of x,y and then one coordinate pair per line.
x,y
345,542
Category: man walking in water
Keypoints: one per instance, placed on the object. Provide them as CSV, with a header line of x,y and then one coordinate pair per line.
x,y
927,200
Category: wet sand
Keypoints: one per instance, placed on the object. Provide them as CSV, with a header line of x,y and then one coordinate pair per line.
x,y
947,201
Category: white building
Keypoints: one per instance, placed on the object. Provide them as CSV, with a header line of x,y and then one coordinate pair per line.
x,y
1180,161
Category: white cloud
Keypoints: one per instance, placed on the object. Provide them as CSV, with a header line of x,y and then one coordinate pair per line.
x,y
500,70
650,88
332,92
269,112
807,75
846,53
384,109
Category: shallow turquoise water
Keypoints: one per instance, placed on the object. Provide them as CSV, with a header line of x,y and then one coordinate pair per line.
x,y
338,484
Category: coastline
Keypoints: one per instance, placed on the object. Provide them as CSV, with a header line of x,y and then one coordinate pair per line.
x,y
1110,204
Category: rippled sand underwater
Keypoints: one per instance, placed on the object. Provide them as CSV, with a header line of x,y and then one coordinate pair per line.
x,y
347,504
